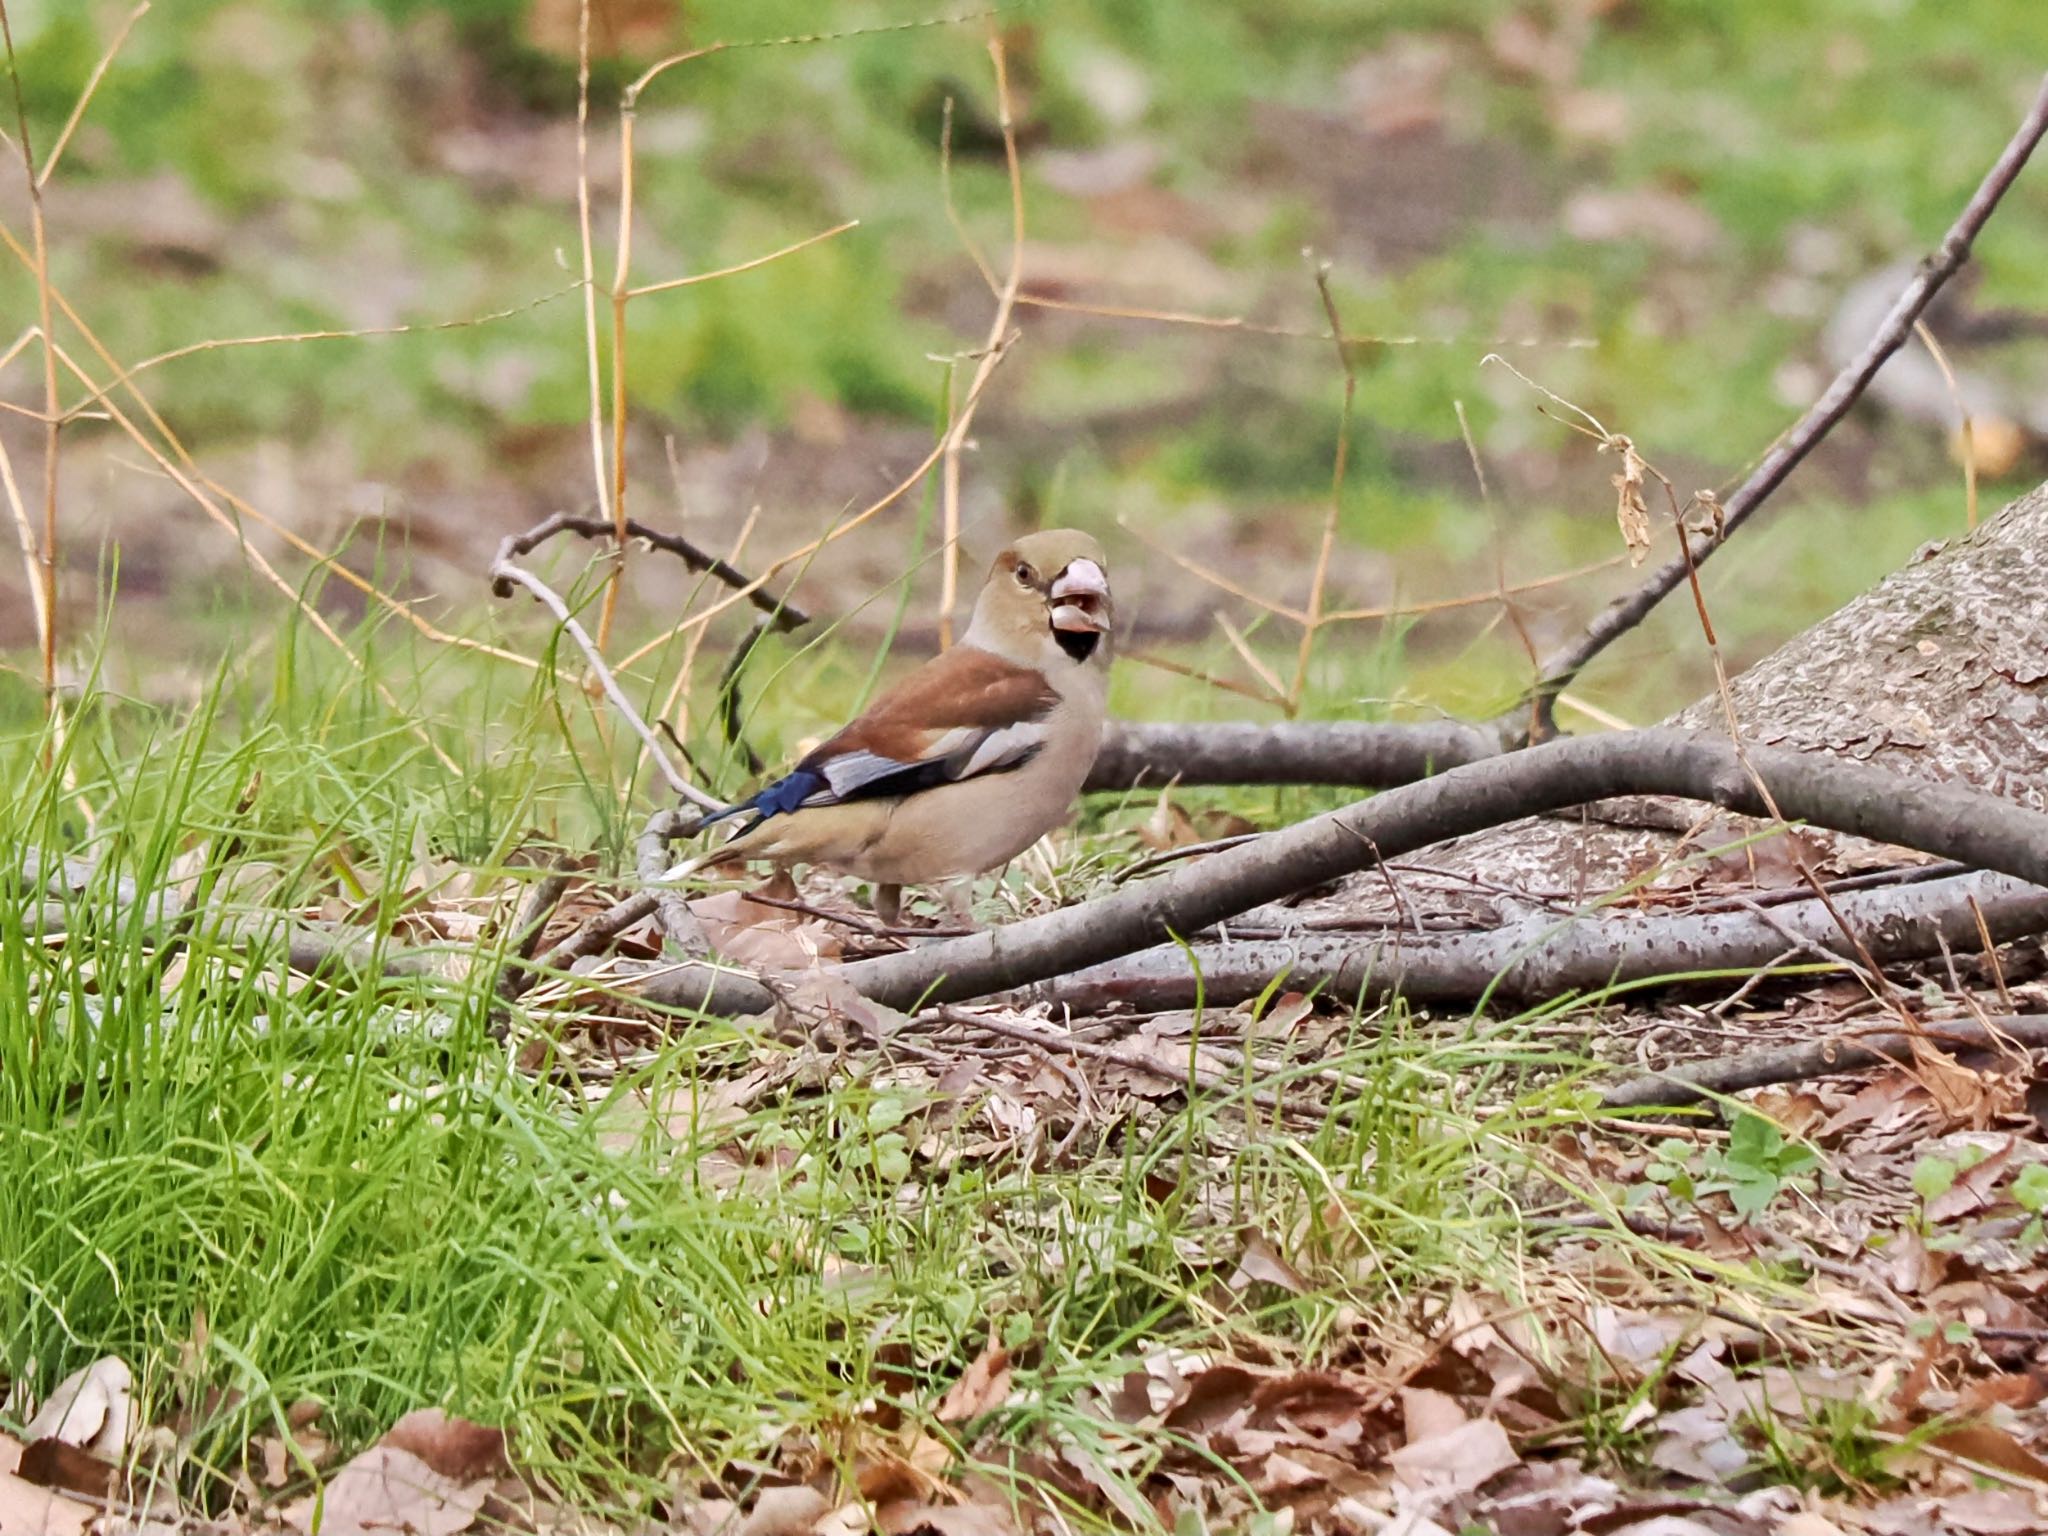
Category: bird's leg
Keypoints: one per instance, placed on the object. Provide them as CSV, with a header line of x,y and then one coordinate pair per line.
x,y
958,896
889,905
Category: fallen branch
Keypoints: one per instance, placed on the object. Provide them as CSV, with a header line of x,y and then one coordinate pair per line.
x,y
679,925
1975,828
1629,610
1819,1058
1350,753
1544,956
782,613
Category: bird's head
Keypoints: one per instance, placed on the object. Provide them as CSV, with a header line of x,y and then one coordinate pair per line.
x,y
1047,600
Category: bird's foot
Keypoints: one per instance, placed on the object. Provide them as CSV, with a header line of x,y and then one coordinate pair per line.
x,y
889,905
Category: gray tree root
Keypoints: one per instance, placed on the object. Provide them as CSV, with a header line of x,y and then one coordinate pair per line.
x,y
1546,956
1973,828
1819,1058
1352,754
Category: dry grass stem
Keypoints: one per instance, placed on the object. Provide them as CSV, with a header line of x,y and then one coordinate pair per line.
x,y
590,357
1966,429
1312,620
990,356
280,338
1289,332
46,551
744,266
86,94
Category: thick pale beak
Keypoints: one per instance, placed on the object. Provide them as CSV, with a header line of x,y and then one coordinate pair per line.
x,y
1080,598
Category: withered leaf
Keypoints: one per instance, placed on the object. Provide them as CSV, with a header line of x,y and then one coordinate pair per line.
x,y
984,1385
456,1448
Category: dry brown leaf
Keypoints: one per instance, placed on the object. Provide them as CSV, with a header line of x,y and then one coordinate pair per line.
x,y
35,1511
1990,1446
787,1511
1808,1522
1262,1264
1697,1444
751,933
1972,1190
51,1463
1964,1096
984,1385
944,1520
1994,1512
91,1408
1427,1413
1631,512
1168,826
1456,1462
458,1449
385,1490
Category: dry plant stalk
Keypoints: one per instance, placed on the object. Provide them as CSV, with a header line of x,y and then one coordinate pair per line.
x,y
1966,428
46,550
992,349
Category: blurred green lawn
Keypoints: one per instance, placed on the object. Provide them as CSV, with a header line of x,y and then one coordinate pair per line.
x,y
1685,185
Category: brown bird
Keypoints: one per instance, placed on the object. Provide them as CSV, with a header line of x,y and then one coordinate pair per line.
x,y
971,758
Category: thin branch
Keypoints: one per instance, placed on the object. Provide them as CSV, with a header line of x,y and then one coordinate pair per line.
x,y
781,613
1822,1058
991,353
1629,610
527,928
503,575
1943,819
679,925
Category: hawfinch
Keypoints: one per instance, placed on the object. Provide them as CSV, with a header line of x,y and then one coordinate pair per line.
x,y
970,759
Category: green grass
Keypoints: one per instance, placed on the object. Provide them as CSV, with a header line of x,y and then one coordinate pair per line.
x,y
355,1193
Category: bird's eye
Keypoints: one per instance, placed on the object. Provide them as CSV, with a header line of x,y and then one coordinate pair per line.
x,y
1026,576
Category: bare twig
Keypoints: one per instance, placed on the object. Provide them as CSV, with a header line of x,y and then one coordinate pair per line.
x,y
1820,1058
991,354
1975,828
679,924
527,928
1626,612
503,575
781,613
